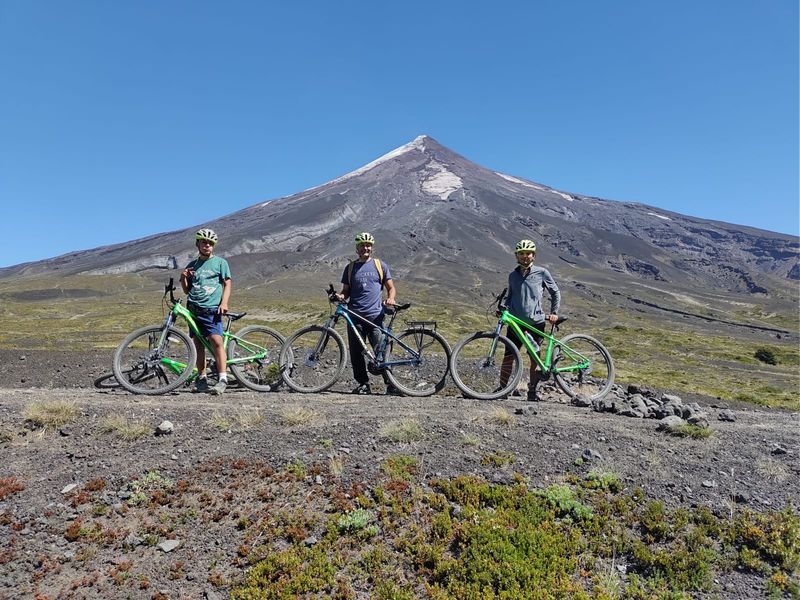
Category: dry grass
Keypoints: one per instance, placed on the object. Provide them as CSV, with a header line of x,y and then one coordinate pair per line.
x,y
248,418
470,439
51,414
124,428
219,421
501,416
336,466
298,415
403,430
244,419
771,470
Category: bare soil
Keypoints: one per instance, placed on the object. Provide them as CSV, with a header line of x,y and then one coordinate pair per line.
x,y
92,542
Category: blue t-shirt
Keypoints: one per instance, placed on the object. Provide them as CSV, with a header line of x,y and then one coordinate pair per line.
x,y
365,287
208,281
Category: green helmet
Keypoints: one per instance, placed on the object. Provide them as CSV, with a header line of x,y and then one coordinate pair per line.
x,y
364,238
525,246
206,234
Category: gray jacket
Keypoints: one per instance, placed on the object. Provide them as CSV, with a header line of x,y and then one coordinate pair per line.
x,y
525,293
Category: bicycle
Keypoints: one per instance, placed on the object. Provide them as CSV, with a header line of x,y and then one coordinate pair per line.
x,y
580,365
414,360
160,358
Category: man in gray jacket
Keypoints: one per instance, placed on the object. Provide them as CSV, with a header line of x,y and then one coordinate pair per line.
x,y
526,285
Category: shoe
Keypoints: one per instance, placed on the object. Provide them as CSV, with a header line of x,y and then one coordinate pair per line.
x,y
393,391
219,388
504,396
533,397
362,390
201,385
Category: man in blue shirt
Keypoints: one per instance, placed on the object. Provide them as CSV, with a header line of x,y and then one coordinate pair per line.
x,y
362,284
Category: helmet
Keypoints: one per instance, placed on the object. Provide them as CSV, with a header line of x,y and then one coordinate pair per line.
x,y
206,234
525,246
364,238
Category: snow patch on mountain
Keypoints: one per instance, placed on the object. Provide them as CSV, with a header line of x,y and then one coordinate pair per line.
x,y
563,195
418,143
659,216
519,181
438,181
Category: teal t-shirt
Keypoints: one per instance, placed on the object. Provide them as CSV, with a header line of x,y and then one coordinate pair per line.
x,y
208,281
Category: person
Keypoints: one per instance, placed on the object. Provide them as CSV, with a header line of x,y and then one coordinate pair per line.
x,y
206,281
362,283
526,284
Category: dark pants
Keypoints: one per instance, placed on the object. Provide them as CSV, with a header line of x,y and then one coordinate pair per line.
x,y
367,332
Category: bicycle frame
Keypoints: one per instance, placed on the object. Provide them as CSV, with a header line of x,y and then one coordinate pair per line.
x,y
519,327
377,357
178,310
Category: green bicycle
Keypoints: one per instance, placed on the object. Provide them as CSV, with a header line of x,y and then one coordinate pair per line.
x,y
579,363
160,358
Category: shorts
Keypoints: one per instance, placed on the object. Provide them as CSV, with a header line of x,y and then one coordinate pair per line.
x,y
538,327
209,322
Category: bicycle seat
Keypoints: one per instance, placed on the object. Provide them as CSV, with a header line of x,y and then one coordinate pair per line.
x,y
234,316
397,308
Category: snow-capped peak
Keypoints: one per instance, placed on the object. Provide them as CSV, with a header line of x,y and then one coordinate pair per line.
x,y
418,143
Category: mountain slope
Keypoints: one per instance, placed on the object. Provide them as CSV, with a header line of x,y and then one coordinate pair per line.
x,y
434,212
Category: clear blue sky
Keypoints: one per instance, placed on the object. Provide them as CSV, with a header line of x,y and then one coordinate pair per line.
x,y
124,119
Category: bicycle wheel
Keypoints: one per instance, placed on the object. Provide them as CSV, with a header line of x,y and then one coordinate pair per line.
x,y
262,347
429,361
142,366
476,368
583,367
106,381
312,359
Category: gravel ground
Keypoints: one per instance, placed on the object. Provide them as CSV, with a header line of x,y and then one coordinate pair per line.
x,y
752,461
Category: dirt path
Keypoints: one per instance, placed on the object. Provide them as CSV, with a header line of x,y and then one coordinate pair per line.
x,y
742,463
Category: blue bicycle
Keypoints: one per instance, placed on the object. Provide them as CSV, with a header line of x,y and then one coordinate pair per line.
x,y
414,360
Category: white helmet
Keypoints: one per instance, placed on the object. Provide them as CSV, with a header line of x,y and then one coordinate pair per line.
x,y
206,234
364,238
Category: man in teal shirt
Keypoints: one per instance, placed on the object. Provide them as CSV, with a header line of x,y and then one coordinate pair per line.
x,y
207,283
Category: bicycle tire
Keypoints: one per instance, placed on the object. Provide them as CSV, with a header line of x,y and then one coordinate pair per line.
x,y
138,365
305,372
262,374
592,383
106,381
427,376
476,373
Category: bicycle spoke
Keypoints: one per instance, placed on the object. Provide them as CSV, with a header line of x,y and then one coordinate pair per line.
x,y
312,359
259,348
583,367
482,373
421,368
143,367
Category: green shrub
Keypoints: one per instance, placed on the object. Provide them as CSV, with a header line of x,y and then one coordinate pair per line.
x,y
766,355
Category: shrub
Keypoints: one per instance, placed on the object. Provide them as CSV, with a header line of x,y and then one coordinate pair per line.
x,y
766,355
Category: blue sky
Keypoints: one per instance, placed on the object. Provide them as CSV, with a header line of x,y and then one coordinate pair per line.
x,y
124,119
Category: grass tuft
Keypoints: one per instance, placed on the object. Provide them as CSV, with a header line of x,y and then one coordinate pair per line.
x,y
298,415
501,416
691,431
51,414
121,426
403,430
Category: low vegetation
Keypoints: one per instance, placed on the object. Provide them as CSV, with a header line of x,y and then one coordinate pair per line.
x,y
51,414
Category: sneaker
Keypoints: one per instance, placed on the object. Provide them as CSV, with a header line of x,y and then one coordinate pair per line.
x,y
362,390
533,396
504,396
393,391
201,385
219,388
